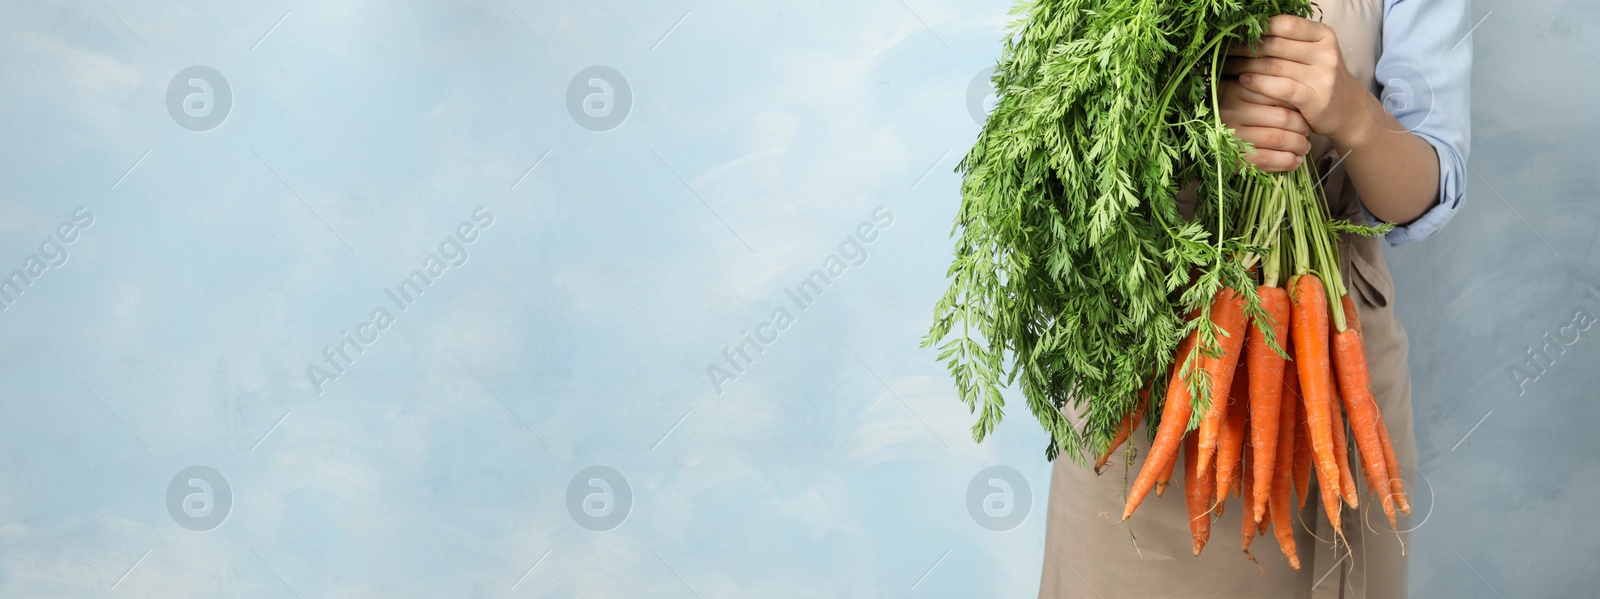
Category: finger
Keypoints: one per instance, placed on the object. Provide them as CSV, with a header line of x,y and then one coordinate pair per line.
x,y
1297,28
1248,49
1271,138
1232,88
1267,66
1273,161
1279,47
1244,114
1283,89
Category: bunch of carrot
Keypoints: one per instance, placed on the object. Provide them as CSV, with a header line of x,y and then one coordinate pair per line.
x,y
1259,409
1075,263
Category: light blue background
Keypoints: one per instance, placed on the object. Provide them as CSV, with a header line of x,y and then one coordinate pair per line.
x,y
579,332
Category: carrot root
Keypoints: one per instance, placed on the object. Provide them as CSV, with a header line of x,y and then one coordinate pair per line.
x,y
1129,423
1197,495
1266,370
1279,505
1355,386
1227,312
1397,487
1341,454
1302,444
1309,327
1230,442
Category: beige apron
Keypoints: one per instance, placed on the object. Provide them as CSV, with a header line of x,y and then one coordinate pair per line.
x,y
1086,555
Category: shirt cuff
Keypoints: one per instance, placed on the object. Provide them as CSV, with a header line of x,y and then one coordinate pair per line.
x,y
1444,207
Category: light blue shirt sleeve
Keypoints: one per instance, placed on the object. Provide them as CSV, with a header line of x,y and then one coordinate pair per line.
x,y
1424,78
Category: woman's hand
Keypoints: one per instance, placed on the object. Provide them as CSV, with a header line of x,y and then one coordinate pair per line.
x,y
1277,131
1298,64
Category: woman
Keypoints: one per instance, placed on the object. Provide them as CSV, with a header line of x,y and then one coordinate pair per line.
x,y
1310,91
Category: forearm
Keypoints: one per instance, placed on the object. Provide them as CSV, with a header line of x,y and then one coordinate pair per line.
x,y
1395,171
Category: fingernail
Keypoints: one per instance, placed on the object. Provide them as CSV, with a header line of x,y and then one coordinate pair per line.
x,y
1244,78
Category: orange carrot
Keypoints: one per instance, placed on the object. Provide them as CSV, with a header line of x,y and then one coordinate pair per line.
x,y
1129,422
1396,485
1355,385
1279,505
1197,495
1230,321
1308,325
1165,476
1221,370
1230,442
1247,532
1174,421
1175,415
1302,445
1164,479
1266,394
1341,453
1227,310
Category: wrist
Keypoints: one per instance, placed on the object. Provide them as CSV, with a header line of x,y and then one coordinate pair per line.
x,y
1361,127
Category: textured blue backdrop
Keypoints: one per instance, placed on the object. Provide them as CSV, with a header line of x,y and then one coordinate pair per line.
x,y
515,299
